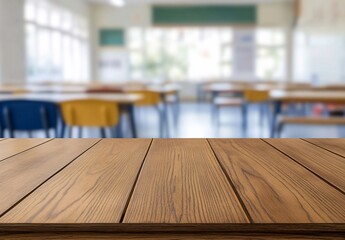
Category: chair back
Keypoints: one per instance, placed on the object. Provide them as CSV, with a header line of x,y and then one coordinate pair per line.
x,y
90,113
256,96
149,98
27,115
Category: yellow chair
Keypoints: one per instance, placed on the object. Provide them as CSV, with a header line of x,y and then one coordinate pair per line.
x,y
149,98
153,99
256,96
261,97
90,113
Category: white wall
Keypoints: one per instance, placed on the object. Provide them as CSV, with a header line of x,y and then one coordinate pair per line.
x,y
320,42
12,36
12,41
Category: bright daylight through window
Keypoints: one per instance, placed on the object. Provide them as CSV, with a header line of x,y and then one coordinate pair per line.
x,y
57,43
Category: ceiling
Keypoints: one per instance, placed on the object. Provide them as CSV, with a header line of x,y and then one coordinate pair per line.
x,y
131,2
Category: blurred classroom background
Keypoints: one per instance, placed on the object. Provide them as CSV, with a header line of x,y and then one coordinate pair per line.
x,y
172,68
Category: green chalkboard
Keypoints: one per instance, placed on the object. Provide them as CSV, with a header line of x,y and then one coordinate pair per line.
x,y
204,15
112,37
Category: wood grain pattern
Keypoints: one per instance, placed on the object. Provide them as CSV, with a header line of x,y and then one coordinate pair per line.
x,y
23,173
274,188
334,145
325,164
181,182
12,147
171,236
93,189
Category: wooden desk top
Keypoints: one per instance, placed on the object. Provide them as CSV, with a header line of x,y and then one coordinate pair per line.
x,y
56,97
173,189
80,89
241,87
309,96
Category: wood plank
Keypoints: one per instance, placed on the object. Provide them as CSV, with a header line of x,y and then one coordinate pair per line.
x,y
163,236
12,147
93,189
23,173
322,162
334,145
274,188
155,228
181,182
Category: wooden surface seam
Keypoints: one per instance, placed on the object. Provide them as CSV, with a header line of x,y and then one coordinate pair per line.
x,y
8,205
333,149
336,181
12,144
135,183
93,189
276,189
231,183
115,186
182,183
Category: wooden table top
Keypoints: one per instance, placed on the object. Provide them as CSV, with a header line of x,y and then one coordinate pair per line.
x,y
57,97
80,89
241,87
253,187
238,87
309,96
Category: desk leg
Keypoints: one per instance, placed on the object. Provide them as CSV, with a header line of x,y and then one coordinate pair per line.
x,y
177,110
131,115
214,95
277,107
165,116
244,109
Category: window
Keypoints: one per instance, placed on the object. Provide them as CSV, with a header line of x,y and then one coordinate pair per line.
x,y
57,43
271,54
180,53
196,53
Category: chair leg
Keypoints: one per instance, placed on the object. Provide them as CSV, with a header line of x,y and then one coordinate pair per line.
x,y
80,132
119,133
280,129
262,114
114,132
44,118
244,110
62,130
70,132
161,121
177,109
103,133
9,122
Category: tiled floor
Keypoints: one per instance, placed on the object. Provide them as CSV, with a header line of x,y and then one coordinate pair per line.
x,y
196,121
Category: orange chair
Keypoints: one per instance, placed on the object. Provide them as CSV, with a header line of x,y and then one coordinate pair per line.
x,y
153,99
90,113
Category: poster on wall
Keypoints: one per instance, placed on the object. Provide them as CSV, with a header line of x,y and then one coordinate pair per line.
x,y
113,65
244,54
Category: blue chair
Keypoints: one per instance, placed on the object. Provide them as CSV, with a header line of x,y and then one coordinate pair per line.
x,y
27,115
